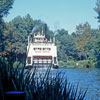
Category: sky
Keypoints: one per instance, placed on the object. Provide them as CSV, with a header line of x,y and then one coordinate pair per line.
x,y
57,14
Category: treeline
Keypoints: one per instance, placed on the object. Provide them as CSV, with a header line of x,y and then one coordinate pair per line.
x,y
81,48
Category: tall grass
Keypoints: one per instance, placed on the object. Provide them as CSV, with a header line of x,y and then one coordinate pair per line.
x,y
36,86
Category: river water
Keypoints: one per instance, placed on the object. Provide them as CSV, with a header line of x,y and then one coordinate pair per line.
x,y
86,78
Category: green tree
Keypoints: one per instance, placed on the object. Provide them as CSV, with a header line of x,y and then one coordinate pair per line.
x,y
5,5
83,32
82,28
66,46
16,40
97,48
97,9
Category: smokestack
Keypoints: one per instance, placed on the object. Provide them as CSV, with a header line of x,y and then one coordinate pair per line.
x,y
45,28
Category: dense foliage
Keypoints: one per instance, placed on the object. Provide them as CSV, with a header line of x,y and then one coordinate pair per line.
x,y
82,45
97,9
5,5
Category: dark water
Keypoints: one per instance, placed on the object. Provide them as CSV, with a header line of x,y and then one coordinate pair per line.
x,y
86,78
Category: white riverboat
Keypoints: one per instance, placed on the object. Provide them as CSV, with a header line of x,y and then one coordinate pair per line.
x,y
41,52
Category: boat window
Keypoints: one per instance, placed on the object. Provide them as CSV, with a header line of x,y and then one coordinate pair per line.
x,y
29,60
55,60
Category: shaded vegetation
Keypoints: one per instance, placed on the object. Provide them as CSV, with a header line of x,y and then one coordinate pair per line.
x,y
5,5
37,86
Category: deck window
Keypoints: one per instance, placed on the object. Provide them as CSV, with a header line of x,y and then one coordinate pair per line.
x,y
55,59
29,60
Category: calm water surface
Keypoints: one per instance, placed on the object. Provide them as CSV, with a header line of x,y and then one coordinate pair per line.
x,y
86,78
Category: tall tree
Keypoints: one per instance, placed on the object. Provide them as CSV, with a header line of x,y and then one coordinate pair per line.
x,y
83,32
5,5
66,45
82,28
97,9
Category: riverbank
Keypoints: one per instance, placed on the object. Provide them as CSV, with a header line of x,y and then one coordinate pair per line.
x,y
78,64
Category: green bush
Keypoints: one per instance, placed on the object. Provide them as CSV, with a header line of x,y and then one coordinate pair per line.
x,y
71,64
68,64
79,64
17,64
61,64
86,64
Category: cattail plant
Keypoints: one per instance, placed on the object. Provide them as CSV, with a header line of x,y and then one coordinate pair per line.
x,y
37,86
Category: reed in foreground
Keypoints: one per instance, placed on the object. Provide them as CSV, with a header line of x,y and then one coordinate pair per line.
x,y
37,86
